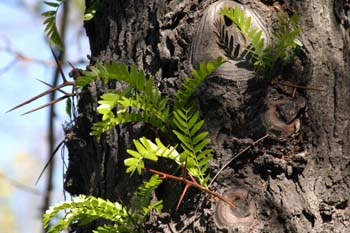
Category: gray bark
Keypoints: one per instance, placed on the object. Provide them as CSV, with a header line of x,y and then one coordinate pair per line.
x,y
286,183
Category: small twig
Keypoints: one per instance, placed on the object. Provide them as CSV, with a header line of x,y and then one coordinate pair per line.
x,y
8,66
294,92
20,185
297,86
188,184
22,57
236,156
233,158
18,56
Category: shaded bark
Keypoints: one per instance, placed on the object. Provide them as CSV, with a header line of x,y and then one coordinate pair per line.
x,y
285,183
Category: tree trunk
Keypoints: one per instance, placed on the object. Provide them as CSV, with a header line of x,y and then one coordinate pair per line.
x,y
288,182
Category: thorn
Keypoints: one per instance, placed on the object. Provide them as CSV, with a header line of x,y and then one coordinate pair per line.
x,y
45,105
42,94
74,73
30,100
192,178
71,65
48,162
58,65
52,86
182,196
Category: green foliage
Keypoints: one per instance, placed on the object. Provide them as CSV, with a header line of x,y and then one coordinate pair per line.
x,y
69,107
146,149
192,84
85,209
252,35
50,23
109,229
195,155
194,142
91,11
284,42
140,101
50,20
286,37
141,201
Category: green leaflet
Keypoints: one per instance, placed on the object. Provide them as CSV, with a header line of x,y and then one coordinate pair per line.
x,y
86,209
50,19
195,155
253,35
192,84
114,71
69,108
146,149
50,23
284,40
91,11
140,101
141,201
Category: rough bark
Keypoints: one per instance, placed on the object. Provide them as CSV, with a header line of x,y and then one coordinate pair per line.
x,y
286,183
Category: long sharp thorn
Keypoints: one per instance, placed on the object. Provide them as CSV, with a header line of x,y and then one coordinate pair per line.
x,y
182,196
31,100
48,162
45,105
48,84
58,65
73,67
40,95
193,180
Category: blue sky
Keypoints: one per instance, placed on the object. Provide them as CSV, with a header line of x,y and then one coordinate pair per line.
x,y
23,138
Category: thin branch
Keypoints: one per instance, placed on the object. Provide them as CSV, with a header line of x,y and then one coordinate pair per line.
x,y
58,62
8,66
297,86
20,185
21,57
230,161
236,156
188,184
